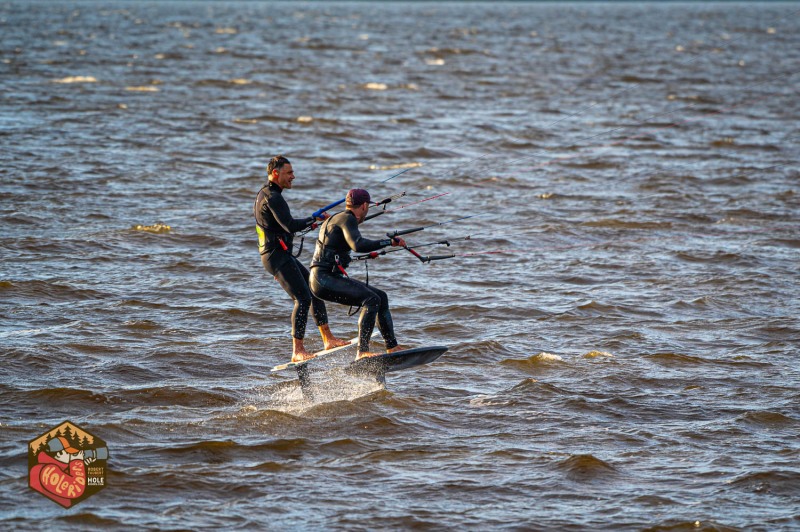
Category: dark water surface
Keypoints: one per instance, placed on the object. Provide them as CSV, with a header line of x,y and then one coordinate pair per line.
x,y
623,323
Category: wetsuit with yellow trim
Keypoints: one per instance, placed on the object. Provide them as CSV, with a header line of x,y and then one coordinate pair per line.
x,y
339,235
276,227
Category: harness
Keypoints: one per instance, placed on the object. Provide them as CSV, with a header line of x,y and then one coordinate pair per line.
x,y
329,259
324,257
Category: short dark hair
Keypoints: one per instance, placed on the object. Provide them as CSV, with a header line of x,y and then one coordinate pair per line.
x,y
276,163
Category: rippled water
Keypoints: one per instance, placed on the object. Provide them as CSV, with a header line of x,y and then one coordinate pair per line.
x,y
622,323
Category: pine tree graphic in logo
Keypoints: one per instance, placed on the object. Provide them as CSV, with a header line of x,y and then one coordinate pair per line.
x,y
67,464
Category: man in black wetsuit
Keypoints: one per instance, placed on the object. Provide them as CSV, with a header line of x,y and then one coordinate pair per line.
x,y
339,235
276,227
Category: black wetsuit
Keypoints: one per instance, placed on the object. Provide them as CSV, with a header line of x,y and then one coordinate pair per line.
x,y
339,235
276,229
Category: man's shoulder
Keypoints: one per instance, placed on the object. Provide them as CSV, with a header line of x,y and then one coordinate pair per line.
x,y
350,220
344,217
273,191
264,192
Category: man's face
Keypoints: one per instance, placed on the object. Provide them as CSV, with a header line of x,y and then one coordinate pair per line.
x,y
283,176
361,211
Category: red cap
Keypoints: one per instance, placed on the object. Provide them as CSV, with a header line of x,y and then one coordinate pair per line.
x,y
357,196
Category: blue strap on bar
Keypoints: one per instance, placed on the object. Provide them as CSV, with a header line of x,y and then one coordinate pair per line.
x,y
317,214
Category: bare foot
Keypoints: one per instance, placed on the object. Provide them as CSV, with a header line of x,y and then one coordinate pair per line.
x,y
328,339
335,342
299,351
302,356
366,354
396,348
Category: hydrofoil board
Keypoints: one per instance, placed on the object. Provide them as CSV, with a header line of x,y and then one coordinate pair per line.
x,y
314,372
399,360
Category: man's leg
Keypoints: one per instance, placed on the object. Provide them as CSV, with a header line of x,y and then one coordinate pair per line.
x,y
320,314
292,281
350,292
385,323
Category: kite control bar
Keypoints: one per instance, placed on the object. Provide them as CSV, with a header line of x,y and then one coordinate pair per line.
x,y
428,258
405,232
423,258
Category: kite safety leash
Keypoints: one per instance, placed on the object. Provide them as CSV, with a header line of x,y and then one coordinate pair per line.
x,y
319,212
384,203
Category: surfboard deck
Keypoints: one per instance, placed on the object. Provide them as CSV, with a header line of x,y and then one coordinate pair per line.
x,y
318,354
281,367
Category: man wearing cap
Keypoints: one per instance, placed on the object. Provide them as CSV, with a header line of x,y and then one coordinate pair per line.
x,y
276,227
60,473
338,236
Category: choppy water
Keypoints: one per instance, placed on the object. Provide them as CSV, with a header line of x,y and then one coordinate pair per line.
x,y
627,361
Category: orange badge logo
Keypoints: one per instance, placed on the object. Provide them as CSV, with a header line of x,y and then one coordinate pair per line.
x,y
67,464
